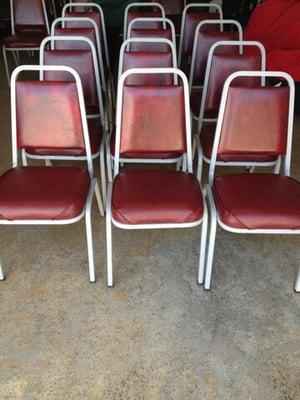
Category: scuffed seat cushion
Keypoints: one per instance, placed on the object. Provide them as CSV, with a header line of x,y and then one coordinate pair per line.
x,y
43,193
24,40
258,201
156,196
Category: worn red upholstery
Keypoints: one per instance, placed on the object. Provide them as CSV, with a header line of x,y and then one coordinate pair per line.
x,y
255,121
222,66
191,21
28,14
43,193
145,14
153,120
82,62
205,41
172,7
207,138
95,135
94,15
148,59
76,45
258,201
48,116
24,40
151,33
156,196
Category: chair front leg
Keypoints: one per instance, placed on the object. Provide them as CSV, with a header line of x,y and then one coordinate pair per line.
x,y
212,239
99,199
297,286
200,159
89,236
109,238
2,276
108,160
6,65
102,170
203,244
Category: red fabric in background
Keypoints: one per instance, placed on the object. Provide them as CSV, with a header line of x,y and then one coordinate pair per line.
x,y
276,23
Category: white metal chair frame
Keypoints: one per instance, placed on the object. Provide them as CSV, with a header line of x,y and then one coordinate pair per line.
x,y
166,21
101,152
109,219
15,51
110,157
201,119
211,6
214,217
222,22
103,26
139,4
94,188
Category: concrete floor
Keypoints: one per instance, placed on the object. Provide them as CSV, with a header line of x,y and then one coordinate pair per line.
x,y
156,335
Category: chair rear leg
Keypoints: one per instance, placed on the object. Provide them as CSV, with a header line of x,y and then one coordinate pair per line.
x,y
297,286
211,240
203,245
89,237
109,238
102,170
2,276
99,200
6,65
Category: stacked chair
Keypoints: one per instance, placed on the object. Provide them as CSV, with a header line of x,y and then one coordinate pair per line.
x,y
215,79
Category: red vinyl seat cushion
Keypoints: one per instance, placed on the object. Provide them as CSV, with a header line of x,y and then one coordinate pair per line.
x,y
24,40
258,201
36,193
155,197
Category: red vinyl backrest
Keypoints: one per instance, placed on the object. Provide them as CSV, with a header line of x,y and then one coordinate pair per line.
x,y
82,62
145,14
172,7
224,65
28,13
153,120
48,116
75,45
205,41
150,33
255,121
94,15
191,21
148,60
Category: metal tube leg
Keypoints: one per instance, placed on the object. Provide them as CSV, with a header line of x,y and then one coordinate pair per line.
x,y
99,199
203,245
24,158
277,166
15,58
6,65
48,163
211,243
108,160
297,286
200,160
102,171
109,239
1,273
88,226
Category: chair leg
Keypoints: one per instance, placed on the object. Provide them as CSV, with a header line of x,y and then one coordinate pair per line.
x,y
102,171
2,276
212,239
109,238
297,286
89,237
277,166
200,160
108,161
24,158
99,199
16,58
48,163
203,245
6,65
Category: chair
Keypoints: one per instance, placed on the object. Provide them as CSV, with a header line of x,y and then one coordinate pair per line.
x,y
190,20
173,10
29,25
204,40
219,67
157,12
84,62
253,121
167,31
43,195
297,285
153,199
